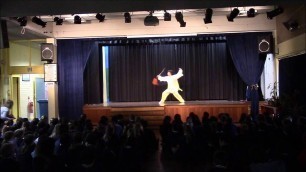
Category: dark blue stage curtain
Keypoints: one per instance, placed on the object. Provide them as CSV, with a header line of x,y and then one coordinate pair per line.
x,y
249,64
93,76
72,58
209,73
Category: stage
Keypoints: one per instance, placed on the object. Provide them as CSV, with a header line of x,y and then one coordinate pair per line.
x,y
154,113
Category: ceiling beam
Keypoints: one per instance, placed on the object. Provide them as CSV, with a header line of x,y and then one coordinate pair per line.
x,y
14,8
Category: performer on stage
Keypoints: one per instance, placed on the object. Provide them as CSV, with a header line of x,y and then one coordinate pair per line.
x,y
173,85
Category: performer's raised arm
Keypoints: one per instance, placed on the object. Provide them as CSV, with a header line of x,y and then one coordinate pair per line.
x,y
179,73
161,78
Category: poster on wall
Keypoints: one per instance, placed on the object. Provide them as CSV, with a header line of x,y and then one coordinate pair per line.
x,y
25,77
50,70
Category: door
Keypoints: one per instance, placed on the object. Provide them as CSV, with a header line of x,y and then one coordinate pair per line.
x,y
15,96
40,94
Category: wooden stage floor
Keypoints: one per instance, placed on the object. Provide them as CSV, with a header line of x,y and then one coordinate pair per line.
x,y
154,113
170,103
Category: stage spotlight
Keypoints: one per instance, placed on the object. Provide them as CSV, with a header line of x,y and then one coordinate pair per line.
x,y
39,22
58,21
167,16
77,19
151,20
291,25
127,17
274,13
100,17
22,21
234,13
251,12
208,16
180,18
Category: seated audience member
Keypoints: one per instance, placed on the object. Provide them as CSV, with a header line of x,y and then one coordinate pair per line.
x,y
45,160
5,110
8,159
165,132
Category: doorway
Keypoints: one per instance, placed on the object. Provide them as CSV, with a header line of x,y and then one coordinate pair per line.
x,y
15,96
40,97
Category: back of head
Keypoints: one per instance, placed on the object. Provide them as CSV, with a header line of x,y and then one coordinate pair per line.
x,y
8,136
7,150
9,104
167,120
45,146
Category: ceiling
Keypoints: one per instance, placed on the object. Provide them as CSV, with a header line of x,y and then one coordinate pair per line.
x,y
47,10
14,8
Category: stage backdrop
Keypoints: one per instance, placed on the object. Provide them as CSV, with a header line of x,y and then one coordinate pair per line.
x,y
209,72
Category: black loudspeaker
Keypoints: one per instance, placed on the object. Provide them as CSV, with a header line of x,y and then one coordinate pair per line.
x,y
265,44
47,52
4,42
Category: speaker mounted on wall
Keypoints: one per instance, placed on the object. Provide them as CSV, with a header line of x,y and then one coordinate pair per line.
x,y
47,52
4,41
265,44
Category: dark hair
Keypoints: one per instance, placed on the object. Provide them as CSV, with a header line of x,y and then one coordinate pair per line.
x,y
171,71
9,104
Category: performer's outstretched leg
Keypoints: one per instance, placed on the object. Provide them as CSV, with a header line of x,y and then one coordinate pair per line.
x,y
178,97
164,96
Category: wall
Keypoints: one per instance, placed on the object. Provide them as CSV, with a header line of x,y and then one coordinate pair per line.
x,y
25,53
4,79
291,12
291,43
19,54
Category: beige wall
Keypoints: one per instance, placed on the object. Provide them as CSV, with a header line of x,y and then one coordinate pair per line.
x,y
291,43
292,47
291,12
25,53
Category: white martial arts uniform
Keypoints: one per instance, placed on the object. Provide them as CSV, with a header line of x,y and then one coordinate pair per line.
x,y
173,86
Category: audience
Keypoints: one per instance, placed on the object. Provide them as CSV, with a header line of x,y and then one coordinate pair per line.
x,y
119,144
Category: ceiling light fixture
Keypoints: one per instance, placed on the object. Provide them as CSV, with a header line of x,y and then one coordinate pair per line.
x,y
127,17
234,13
167,16
274,13
291,25
100,17
77,19
22,21
39,22
58,21
151,20
180,18
251,12
208,16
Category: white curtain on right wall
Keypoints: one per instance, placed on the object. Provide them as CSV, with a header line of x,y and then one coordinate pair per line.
x,y
268,76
